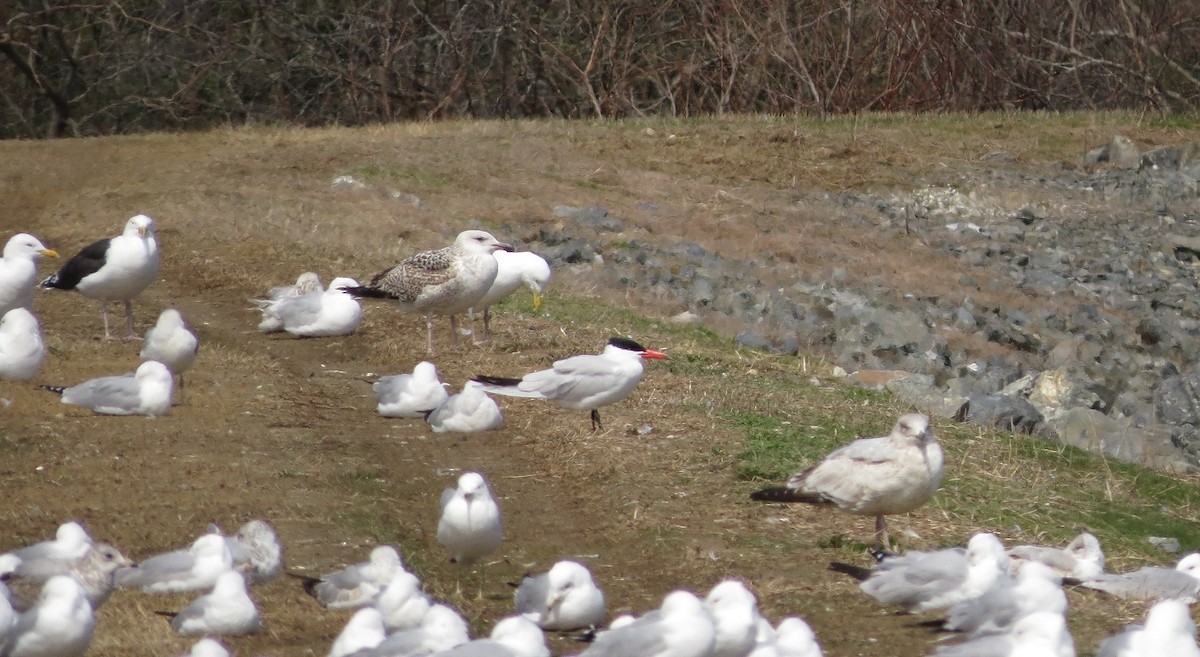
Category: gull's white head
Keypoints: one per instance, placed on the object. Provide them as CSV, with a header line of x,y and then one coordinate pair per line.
x,y
60,588
471,486
682,603
521,636
425,371
153,371
229,583
208,648
170,319
108,558
1190,565
140,225
209,545
24,245
72,533
567,575
479,241
1170,617
385,555
730,594
1086,548
985,547
18,321
913,426
307,282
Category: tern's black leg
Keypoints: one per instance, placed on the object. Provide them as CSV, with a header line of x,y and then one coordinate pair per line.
x,y
596,420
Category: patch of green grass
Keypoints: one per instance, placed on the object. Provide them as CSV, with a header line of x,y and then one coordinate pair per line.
x,y
363,482
403,173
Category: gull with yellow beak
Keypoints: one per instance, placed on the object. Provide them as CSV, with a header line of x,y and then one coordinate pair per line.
x,y
514,269
18,271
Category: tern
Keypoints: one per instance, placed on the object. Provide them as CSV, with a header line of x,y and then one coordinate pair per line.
x,y
584,382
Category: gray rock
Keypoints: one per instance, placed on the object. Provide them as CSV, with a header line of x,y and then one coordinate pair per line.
x,y
1055,391
1120,150
593,216
1003,412
1165,543
1167,157
1177,399
1094,431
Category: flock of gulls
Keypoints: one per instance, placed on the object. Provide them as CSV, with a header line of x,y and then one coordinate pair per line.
x,y
991,602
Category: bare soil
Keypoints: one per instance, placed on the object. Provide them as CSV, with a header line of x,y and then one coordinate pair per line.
x,y
285,429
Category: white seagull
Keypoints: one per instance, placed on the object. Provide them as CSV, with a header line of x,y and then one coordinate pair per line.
x,y
794,638
1037,587
1152,582
43,560
1043,634
145,392
1081,559
734,612
877,477
680,628
513,270
441,629
94,571
113,269
324,314
446,281
307,282
402,603
171,343
207,648
194,569
584,382
470,523
357,585
562,598
61,624
18,271
226,611
410,395
363,631
925,581
21,348
1169,630
469,411
256,552
511,637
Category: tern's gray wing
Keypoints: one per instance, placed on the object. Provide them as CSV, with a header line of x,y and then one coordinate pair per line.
x,y
110,394
912,581
530,597
164,567
1056,558
642,637
1147,584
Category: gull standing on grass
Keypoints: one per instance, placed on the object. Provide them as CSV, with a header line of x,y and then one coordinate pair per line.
x,y
446,281
513,270
410,395
1169,630
61,624
21,348
469,527
325,314
171,343
113,269
470,411
584,382
926,581
356,585
1152,582
896,473
681,627
1081,559
563,598
194,569
145,392
226,611
402,604
18,271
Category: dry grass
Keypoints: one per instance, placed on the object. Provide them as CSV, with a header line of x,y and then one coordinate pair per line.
x,y
285,429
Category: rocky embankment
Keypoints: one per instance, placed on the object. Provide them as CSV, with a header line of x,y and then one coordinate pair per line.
x,y
1096,349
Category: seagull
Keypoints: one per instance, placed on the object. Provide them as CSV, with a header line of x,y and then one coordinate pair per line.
x,y
1151,582
925,581
21,348
878,477
470,524
226,611
512,637
43,560
402,603
1081,559
18,271
363,631
446,281
256,552
1043,634
307,282
794,638
1037,587
357,585
1169,630
680,628
563,598
441,629
513,270
171,343
207,648
194,569
324,314
469,411
145,392
113,269
94,571
584,382
61,624
410,395
734,613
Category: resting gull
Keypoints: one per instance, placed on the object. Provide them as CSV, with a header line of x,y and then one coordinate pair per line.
x,y
446,281
877,477
1169,630
145,392
207,648
171,343
227,610
21,348
1043,634
734,612
113,269
1152,582
562,598
682,627
1082,558
60,624
511,637
18,271
307,282
363,631
1036,588
194,569
469,411
53,557
402,603
410,395
357,585
94,571
584,382
513,270
324,314
442,628
256,552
